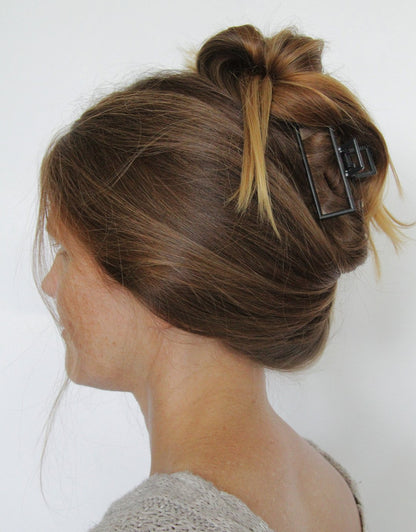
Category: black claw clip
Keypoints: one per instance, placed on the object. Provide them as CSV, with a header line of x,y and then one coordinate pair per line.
x,y
351,165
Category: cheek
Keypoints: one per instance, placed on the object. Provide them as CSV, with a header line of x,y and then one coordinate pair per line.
x,y
74,311
90,320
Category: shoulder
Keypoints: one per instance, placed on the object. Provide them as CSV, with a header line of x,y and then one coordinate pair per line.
x,y
179,501
352,485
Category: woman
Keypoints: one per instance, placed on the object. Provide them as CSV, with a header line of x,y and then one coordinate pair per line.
x,y
202,220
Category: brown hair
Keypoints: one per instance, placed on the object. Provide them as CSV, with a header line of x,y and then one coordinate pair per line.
x,y
189,189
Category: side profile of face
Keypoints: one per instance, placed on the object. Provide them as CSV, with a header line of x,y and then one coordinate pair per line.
x,y
110,337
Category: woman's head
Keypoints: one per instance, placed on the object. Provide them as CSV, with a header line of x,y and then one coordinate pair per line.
x,y
188,189
110,337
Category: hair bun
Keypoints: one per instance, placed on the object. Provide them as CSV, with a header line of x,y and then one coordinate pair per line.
x,y
231,54
242,51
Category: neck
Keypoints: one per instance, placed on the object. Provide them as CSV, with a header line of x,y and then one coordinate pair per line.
x,y
203,408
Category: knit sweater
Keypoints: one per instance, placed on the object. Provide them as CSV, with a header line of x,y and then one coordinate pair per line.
x,y
183,502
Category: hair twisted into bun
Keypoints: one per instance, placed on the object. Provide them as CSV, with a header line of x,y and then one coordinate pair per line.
x,y
189,189
282,76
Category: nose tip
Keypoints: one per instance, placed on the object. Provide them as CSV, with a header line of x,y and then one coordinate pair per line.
x,y
48,285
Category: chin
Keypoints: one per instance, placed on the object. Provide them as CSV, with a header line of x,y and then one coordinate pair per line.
x,y
78,373
72,367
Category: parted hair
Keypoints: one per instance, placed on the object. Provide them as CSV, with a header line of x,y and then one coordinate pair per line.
x,y
188,188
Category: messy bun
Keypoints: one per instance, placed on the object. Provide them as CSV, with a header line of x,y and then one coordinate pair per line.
x,y
279,80
190,190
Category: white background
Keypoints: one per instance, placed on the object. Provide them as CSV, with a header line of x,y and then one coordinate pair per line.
x,y
358,402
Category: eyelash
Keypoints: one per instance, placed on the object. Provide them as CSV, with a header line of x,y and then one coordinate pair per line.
x,y
58,249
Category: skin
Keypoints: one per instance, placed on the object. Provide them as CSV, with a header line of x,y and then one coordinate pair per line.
x,y
206,409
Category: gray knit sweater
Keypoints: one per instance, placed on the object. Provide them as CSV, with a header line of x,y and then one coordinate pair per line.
x,y
180,502
186,502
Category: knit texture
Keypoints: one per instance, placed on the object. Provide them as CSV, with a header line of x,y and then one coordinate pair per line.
x,y
179,501
186,502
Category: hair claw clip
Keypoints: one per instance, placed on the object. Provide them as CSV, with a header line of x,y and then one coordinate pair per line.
x,y
356,169
351,165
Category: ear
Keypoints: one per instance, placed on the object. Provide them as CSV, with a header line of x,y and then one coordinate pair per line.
x,y
161,324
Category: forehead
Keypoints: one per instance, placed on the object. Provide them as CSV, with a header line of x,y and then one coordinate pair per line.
x,y
57,231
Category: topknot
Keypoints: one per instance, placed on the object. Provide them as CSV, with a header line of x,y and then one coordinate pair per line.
x,y
232,54
242,51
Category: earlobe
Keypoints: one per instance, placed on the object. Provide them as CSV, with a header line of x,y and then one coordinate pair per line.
x,y
161,324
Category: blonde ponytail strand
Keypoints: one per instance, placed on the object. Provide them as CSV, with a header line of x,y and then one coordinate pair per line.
x,y
256,97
